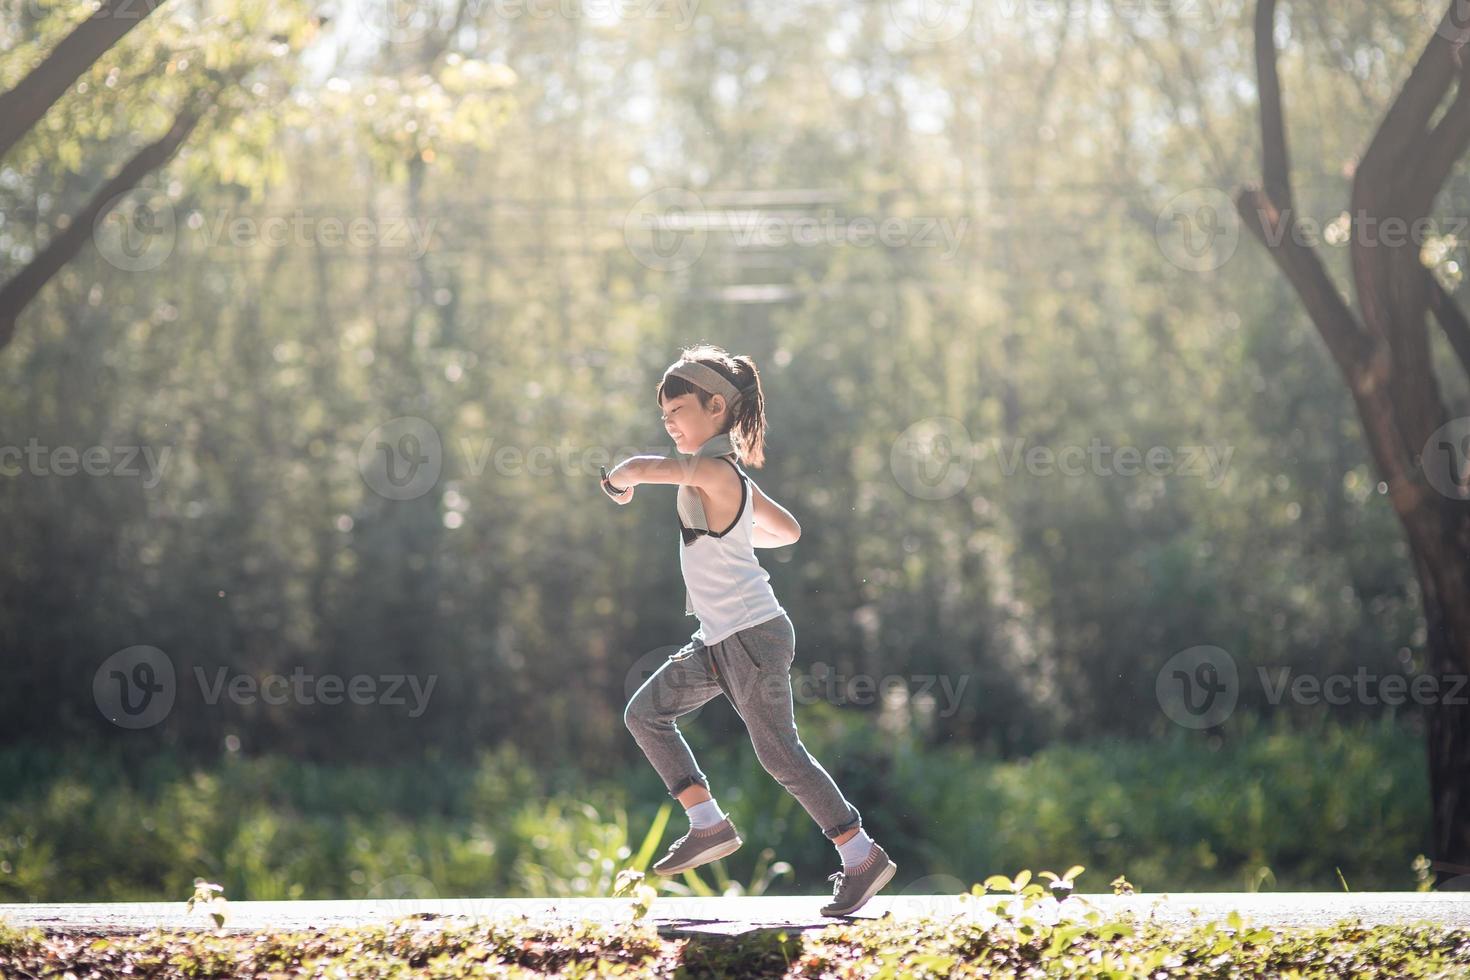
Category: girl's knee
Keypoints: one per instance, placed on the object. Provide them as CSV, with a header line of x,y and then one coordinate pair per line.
x,y
642,715
634,715
779,750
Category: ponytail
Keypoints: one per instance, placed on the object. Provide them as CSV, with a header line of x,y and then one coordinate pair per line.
x,y
748,427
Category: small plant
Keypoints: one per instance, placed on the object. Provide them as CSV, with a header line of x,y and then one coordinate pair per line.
x,y
1121,886
1048,925
1062,887
1423,880
1030,891
631,882
212,898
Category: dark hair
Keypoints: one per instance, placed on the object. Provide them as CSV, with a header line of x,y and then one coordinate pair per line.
x,y
747,423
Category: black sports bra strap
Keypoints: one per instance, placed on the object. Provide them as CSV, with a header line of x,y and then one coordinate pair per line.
x,y
690,534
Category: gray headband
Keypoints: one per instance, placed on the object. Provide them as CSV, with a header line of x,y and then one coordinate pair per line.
x,y
710,380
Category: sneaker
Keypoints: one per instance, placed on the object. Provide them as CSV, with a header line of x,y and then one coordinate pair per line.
x,y
699,847
854,888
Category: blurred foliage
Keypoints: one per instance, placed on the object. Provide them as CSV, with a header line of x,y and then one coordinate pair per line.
x,y
1267,809
493,293
492,166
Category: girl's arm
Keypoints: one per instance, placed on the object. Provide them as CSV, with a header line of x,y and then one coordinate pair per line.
x,y
774,525
701,471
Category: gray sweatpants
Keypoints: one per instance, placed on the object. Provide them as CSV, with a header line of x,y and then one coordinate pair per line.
x,y
751,667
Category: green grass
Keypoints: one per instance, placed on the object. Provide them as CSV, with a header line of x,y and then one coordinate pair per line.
x,y
1268,807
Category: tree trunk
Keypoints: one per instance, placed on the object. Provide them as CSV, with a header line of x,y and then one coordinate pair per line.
x,y
1384,354
1448,756
23,106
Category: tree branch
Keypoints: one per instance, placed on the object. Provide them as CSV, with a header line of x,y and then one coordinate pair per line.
x,y
1451,319
1304,270
1445,145
23,106
1411,111
1275,161
16,294
1267,212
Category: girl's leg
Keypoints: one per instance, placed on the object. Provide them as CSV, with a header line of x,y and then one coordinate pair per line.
x,y
681,684
757,662
693,796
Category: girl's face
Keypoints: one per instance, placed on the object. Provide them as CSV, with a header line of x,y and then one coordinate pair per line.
x,y
690,424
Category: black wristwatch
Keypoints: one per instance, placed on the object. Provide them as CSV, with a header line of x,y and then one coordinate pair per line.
x,y
610,486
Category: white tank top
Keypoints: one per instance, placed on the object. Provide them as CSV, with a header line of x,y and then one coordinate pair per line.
x,y
728,589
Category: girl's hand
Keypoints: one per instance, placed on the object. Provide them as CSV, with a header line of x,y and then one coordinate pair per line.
x,y
622,496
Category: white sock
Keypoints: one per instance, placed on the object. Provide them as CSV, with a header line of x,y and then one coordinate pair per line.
x,y
855,849
705,814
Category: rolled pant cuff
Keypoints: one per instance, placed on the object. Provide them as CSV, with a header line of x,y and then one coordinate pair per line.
x,y
834,832
685,783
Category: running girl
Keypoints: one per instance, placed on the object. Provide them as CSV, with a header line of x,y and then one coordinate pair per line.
x,y
714,409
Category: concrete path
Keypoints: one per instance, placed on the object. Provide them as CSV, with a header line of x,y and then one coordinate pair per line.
x,y
733,916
